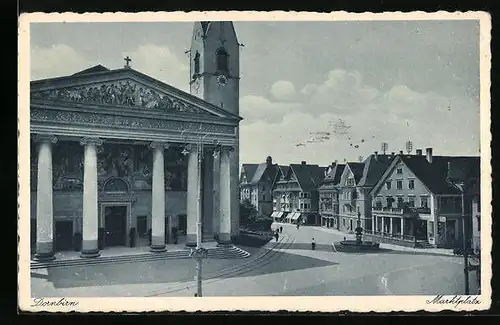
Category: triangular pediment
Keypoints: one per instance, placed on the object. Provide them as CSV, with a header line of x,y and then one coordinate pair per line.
x,y
123,88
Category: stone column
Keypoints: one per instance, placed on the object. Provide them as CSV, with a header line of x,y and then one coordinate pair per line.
x,y
225,199
90,226
374,224
158,198
234,184
391,226
192,197
383,226
44,201
208,193
215,193
402,227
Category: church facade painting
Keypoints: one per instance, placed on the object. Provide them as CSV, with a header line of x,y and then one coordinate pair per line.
x,y
104,140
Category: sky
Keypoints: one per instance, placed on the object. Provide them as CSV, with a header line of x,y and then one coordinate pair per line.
x,y
356,84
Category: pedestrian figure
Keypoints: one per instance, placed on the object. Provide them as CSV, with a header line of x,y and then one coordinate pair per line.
x,y
196,295
298,225
313,244
277,236
281,229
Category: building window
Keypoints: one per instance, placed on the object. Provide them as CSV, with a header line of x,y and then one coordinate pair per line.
x,y
222,60
263,197
197,63
399,171
302,206
411,184
400,202
399,185
388,185
263,187
389,201
478,223
424,202
411,201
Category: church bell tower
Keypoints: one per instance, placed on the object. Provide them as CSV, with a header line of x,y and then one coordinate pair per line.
x,y
215,78
215,64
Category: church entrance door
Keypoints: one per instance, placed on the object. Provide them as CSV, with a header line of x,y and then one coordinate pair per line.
x,y
64,235
115,223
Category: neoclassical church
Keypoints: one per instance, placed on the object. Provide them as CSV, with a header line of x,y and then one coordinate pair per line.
x,y
119,158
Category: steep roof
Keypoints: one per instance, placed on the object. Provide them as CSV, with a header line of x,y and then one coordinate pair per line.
x,y
333,177
309,177
357,169
249,170
263,169
437,175
374,168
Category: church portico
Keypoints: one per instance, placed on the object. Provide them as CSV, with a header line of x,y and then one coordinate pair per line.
x,y
121,159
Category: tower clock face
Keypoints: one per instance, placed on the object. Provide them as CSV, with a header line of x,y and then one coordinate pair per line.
x,y
222,80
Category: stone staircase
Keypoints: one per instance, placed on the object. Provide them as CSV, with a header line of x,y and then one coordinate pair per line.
x,y
231,252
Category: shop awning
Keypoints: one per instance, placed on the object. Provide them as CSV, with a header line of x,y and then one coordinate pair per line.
x,y
290,215
274,214
279,215
296,215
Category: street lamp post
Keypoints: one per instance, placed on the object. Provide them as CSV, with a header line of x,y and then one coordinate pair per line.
x,y
199,253
464,241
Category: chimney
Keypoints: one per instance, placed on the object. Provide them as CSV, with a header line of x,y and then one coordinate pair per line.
x,y
376,155
419,152
303,162
269,160
428,153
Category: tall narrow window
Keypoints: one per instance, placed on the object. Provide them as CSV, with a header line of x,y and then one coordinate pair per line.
x,y
222,60
197,63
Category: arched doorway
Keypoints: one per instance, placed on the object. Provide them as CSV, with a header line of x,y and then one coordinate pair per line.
x,y
115,213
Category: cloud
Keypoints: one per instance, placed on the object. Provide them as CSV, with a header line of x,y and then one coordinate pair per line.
x,y
258,108
283,90
448,124
160,63
55,61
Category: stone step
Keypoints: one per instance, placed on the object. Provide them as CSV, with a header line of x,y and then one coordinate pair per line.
x,y
213,253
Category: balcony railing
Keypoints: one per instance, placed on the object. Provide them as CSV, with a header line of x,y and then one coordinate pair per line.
x,y
420,210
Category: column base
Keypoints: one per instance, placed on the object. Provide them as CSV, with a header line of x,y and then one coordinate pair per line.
x,y
158,248
91,253
44,257
224,240
191,240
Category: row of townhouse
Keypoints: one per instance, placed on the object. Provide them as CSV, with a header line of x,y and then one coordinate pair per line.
x,y
399,198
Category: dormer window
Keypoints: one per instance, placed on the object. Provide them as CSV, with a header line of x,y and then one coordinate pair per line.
x,y
197,63
222,60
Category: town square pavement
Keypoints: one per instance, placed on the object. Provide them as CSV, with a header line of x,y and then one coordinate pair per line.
x,y
291,269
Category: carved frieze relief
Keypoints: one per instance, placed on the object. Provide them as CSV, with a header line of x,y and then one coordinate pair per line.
x,y
119,93
92,119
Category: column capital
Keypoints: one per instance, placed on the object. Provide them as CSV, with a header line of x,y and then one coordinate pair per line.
x,y
45,138
159,145
91,141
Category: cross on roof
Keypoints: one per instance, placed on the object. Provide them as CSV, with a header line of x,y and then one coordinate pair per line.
x,y
127,60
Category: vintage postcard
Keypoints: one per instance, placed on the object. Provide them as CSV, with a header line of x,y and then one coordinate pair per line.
x,y
223,161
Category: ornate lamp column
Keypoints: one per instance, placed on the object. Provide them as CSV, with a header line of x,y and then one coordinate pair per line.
x,y
158,198
90,246
44,203
225,196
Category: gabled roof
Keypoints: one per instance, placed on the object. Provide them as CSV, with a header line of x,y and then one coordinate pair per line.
x,y
263,169
374,168
333,176
309,177
123,87
249,171
439,175
357,169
